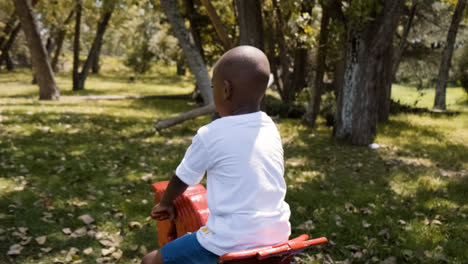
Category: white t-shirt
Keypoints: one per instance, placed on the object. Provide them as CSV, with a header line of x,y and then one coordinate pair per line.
x,y
243,158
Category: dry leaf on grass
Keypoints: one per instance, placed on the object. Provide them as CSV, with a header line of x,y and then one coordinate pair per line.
x,y
15,250
66,231
135,224
86,219
41,240
365,224
88,251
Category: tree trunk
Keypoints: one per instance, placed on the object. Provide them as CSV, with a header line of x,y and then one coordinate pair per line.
x,y
5,57
404,40
441,87
95,64
250,22
48,90
96,46
59,40
218,24
358,104
76,46
384,91
194,58
313,108
194,28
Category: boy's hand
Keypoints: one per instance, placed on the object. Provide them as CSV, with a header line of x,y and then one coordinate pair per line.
x,y
163,212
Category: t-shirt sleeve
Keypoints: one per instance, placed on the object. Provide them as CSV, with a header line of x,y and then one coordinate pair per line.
x,y
196,161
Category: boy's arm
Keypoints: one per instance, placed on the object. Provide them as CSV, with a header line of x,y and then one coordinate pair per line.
x,y
165,209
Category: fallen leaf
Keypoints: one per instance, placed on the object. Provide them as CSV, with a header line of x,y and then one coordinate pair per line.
x,y
46,250
365,224
436,222
143,250
86,219
41,240
88,251
147,177
107,251
15,250
117,254
135,224
307,225
350,208
79,232
72,254
66,231
106,243
402,222
103,260
25,241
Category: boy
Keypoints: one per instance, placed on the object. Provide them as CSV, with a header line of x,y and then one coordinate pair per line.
x,y
243,157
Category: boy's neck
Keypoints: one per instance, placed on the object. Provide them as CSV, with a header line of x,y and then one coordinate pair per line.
x,y
245,109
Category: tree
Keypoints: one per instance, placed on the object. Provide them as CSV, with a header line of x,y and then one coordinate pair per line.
x,y
60,39
288,46
404,38
107,10
195,61
313,108
48,90
370,27
250,23
218,25
441,86
76,45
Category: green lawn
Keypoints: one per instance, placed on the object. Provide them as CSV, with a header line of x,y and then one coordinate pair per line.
x,y
404,202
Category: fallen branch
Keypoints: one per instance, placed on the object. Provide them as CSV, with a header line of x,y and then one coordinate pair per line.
x,y
192,114
132,97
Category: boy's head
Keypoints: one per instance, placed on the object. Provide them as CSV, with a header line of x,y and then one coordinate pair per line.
x,y
240,78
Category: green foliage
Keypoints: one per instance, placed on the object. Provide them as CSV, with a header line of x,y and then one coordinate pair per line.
x,y
361,12
140,58
462,69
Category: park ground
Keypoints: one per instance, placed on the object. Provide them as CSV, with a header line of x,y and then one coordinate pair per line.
x,y
75,176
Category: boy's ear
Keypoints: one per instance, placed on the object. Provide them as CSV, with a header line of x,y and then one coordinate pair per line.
x,y
227,90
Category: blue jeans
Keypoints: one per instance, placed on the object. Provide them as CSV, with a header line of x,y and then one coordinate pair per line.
x,y
187,250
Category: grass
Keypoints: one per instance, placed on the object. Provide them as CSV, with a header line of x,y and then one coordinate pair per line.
x,y
406,200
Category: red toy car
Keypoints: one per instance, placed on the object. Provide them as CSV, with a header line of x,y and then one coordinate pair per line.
x,y
192,213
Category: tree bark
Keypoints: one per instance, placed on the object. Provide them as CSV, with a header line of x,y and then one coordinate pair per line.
x,y
5,57
250,22
404,39
441,87
48,89
194,58
76,46
97,42
384,83
95,64
313,108
218,25
358,104
59,41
